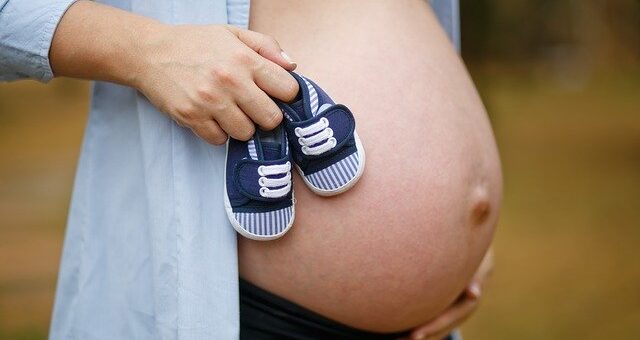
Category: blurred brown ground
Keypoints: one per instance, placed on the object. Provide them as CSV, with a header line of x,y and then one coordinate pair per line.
x,y
565,106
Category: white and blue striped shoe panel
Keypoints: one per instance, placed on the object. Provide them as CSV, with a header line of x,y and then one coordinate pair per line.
x,y
265,225
251,146
337,175
313,96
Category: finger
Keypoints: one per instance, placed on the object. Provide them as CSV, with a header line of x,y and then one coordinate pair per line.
x,y
260,108
235,123
211,132
266,46
447,321
275,81
474,290
486,266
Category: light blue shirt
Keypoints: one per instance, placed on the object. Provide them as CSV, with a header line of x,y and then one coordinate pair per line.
x,y
148,253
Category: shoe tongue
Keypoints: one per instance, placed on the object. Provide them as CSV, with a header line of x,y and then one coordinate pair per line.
x,y
267,144
271,151
312,101
298,107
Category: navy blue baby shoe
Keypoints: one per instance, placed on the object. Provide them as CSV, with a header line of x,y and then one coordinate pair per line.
x,y
325,145
258,187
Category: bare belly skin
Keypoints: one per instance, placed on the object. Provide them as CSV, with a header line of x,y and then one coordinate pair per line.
x,y
399,247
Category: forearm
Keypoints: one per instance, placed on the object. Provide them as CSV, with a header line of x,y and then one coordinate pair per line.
x,y
99,42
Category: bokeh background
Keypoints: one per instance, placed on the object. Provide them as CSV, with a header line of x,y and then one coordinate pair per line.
x,y
561,81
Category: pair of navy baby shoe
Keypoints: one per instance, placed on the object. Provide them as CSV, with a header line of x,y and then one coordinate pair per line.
x,y
316,136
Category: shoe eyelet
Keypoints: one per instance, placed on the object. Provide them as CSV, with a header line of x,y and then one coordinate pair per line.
x,y
301,141
261,170
297,132
261,181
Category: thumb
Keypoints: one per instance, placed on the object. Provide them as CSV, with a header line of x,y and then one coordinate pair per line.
x,y
266,46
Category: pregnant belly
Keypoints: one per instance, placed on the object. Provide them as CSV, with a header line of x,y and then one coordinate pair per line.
x,y
400,246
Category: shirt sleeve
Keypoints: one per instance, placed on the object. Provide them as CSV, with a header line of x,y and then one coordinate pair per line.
x,y
26,31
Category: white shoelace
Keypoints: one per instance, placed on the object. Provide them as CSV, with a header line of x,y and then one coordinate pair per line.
x,y
267,183
316,133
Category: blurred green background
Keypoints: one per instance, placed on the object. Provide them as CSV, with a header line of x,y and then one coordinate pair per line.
x,y
561,81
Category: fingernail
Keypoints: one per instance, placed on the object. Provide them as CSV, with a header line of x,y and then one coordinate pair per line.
x,y
286,57
420,336
475,290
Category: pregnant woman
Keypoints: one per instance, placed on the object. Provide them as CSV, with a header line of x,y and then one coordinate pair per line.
x,y
397,249
149,253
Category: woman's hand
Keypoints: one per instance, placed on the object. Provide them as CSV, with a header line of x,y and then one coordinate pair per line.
x,y
465,305
216,80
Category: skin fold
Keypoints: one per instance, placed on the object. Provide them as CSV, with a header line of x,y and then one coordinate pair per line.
x,y
400,247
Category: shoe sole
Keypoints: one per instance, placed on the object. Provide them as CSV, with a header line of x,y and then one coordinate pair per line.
x,y
346,186
236,225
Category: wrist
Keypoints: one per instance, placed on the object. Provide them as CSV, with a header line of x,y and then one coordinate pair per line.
x,y
141,50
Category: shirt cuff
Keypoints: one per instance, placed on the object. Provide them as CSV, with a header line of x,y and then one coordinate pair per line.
x,y
25,38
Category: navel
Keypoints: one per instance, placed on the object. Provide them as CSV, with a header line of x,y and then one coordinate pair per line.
x,y
480,205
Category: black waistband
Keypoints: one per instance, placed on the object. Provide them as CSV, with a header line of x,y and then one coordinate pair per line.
x,y
264,315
